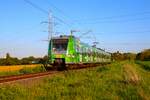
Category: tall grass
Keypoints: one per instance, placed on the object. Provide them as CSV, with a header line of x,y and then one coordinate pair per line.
x,y
28,70
144,64
25,70
101,83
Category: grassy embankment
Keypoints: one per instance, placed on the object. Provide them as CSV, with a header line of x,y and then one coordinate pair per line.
x,y
144,64
20,69
121,80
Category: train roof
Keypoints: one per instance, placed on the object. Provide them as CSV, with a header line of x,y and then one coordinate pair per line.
x,y
63,37
85,44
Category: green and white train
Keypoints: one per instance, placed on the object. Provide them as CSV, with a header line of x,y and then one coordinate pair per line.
x,y
70,50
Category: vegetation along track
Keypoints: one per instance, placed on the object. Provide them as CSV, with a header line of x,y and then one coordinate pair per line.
x,y
4,79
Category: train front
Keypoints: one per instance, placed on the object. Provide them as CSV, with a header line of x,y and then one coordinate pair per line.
x,y
57,51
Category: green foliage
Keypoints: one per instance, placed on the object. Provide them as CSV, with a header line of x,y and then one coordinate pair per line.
x,y
44,61
28,70
2,61
12,93
103,68
9,60
117,56
144,55
129,93
102,83
24,61
144,64
9,73
39,69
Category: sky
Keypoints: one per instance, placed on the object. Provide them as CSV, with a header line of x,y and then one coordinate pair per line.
x,y
118,25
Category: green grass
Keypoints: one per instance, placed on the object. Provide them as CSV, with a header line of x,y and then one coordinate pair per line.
x,y
144,64
9,73
25,70
100,83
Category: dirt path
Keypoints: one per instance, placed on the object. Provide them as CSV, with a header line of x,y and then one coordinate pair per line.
x,y
130,74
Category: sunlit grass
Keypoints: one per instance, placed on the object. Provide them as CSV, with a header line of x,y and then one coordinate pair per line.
x,y
144,64
24,70
100,83
15,67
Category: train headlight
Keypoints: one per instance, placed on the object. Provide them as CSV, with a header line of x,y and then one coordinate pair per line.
x,y
71,56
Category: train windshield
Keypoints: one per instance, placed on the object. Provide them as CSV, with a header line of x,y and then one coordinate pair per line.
x,y
60,45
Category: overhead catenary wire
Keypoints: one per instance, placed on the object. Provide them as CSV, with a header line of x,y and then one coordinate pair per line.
x,y
64,15
45,11
98,20
115,16
114,21
128,32
92,20
37,7
126,43
57,9
104,18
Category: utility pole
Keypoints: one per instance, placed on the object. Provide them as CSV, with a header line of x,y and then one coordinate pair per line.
x,y
50,25
72,31
50,34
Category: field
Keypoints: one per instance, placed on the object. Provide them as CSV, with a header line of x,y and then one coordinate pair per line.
x,y
119,80
20,69
15,67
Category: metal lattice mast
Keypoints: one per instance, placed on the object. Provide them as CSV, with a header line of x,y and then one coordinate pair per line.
x,y
50,25
50,32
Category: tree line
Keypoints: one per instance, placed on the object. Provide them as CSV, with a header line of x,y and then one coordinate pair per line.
x,y
116,56
143,56
24,61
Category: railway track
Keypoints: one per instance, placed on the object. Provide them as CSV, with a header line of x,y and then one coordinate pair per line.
x,y
4,79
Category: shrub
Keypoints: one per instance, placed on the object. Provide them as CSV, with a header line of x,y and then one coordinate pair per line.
x,y
103,68
144,64
32,70
39,69
26,70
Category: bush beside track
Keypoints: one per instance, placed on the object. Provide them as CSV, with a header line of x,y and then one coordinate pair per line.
x,y
144,64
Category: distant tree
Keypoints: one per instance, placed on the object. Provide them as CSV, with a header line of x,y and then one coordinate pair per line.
x,y
11,61
2,61
8,56
129,56
8,60
15,61
24,61
44,61
30,60
144,55
117,56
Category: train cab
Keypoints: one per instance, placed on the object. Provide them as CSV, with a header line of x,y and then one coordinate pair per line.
x,y
58,50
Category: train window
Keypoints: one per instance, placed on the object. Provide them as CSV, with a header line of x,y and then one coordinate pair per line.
x,y
60,45
77,48
80,49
